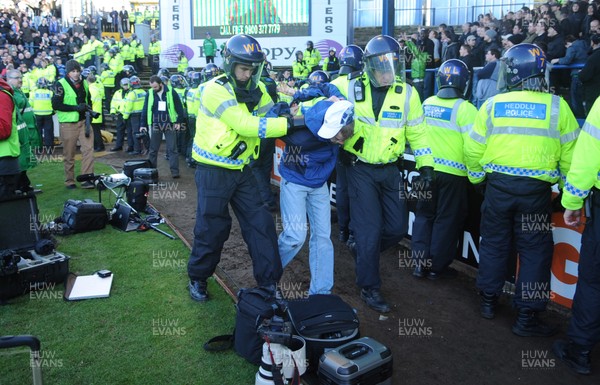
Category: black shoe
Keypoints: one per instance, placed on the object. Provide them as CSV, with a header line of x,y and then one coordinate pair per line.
x,y
133,152
98,149
71,186
575,356
529,325
176,176
344,235
421,272
198,290
88,185
446,273
374,300
115,149
488,305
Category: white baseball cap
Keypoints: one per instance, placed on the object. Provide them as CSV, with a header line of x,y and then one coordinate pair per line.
x,y
338,115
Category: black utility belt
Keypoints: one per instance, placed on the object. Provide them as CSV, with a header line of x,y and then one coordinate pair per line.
x,y
373,165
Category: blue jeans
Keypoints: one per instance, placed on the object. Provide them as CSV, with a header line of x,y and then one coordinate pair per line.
x,y
296,202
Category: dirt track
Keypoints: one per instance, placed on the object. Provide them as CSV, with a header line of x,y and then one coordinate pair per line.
x,y
434,329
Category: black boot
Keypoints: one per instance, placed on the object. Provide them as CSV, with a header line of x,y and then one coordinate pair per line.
x,y
575,356
529,325
199,290
488,304
375,300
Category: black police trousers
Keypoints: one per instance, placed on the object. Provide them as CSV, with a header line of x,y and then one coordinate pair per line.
x,y
217,188
378,215
584,328
516,214
439,222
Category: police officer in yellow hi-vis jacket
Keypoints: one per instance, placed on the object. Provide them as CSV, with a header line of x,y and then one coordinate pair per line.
x,y
229,126
440,218
41,102
387,113
582,182
521,143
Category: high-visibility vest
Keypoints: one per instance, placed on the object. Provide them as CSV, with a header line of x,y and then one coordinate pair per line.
x,y
41,101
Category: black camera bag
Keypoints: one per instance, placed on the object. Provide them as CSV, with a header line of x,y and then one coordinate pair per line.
x,y
253,306
325,322
85,215
137,194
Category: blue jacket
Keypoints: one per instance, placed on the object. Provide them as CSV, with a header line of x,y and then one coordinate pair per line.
x,y
307,159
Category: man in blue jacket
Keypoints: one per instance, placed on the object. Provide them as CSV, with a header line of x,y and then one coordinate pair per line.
x,y
308,159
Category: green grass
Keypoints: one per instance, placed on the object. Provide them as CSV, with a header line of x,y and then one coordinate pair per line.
x,y
148,332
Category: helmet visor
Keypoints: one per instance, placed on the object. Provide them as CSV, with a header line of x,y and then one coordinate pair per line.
x,y
503,74
384,69
247,75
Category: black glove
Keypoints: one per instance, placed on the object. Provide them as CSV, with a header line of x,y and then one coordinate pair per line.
x,y
480,188
82,107
426,179
295,123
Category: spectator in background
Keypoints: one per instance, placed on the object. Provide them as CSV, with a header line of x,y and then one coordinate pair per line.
x,y
27,36
473,47
541,31
209,45
487,78
576,53
556,43
114,18
466,31
9,143
450,46
590,74
437,47
576,17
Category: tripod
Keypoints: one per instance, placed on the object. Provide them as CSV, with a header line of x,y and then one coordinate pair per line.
x,y
123,212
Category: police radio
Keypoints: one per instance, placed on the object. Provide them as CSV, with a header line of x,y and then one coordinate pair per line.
x,y
359,91
238,150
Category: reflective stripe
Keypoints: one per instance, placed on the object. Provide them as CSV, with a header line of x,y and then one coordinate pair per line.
x,y
476,137
21,126
416,121
450,163
266,108
518,171
28,109
526,131
476,174
351,97
367,120
571,136
422,151
391,123
592,130
40,112
218,158
455,111
554,110
575,191
443,124
220,109
262,128
467,128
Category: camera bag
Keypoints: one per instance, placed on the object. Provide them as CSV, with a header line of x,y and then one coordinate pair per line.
x,y
148,175
137,194
85,215
325,322
132,164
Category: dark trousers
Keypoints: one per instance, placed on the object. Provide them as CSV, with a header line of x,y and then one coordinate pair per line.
x,y
120,131
378,215
584,328
517,209
439,222
262,170
171,139
210,59
130,138
342,201
191,129
217,188
46,127
134,122
98,143
154,61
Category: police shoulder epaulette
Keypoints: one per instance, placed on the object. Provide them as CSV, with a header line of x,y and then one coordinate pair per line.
x,y
222,80
398,89
354,75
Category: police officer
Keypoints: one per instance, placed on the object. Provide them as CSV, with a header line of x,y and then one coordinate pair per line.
x,y
351,62
312,57
584,327
229,125
117,105
180,85
96,94
41,102
107,78
154,54
521,142
439,217
300,68
132,114
388,112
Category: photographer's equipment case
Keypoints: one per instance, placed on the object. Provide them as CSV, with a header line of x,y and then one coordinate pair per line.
x,y
130,165
86,215
325,322
148,175
364,361
22,268
137,194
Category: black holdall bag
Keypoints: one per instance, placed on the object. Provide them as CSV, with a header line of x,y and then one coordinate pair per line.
x,y
137,194
82,216
325,322
256,309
